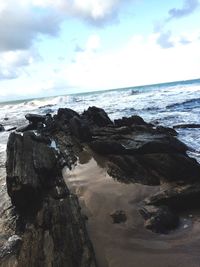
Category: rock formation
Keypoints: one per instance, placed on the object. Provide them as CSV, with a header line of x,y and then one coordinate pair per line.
x,y
50,228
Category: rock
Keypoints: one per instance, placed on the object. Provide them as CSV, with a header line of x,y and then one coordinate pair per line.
x,y
35,118
159,219
97,117
172,167
129,121
118,216
66,114
2,129
80,129
50,224
178,196
25,128
184,126
29,165
166,130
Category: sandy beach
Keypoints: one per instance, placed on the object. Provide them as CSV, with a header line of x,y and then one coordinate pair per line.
x,y
128,244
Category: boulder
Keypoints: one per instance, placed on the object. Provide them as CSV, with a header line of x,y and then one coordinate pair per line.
x,y
118,216
97,117
35,118
30,164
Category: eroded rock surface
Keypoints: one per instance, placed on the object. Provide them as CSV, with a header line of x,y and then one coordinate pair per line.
x,y
50,226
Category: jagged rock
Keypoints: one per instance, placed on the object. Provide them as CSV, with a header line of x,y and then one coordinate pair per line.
x,y
29,165
159,219
97,117
166,130
66,114
118,216
35,118
50,224
2,129
129,121
178,196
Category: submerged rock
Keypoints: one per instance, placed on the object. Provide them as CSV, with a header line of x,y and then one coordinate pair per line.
x,y
118,216
159,219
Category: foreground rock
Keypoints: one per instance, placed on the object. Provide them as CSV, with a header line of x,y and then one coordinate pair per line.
x,y
50,228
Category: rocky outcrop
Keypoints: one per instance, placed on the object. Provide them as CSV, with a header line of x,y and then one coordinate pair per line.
x,y
50,228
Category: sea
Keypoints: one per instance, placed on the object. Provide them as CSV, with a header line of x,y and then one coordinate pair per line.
x,y
166,104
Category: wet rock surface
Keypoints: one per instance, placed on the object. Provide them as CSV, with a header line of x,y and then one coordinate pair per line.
x,y
49,224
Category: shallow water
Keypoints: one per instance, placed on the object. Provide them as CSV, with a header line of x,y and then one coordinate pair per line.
x,y
128,244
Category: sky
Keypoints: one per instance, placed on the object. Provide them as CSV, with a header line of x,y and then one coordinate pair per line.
x,y
50,47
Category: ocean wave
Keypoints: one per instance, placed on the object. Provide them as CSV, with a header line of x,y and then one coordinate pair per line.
x,y
188,104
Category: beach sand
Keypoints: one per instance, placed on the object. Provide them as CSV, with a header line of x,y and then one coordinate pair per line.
x,y
128,244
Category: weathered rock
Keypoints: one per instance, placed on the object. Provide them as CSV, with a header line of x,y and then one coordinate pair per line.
x,y
178,196
129,121
166,130
29,165
118,216
35,118
97,117
159,219
50,224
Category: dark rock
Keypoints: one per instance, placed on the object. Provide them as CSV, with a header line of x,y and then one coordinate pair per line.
x,y
2,129
80,129
167,130
25,128
29,165
136,120
97,117
172,167
131,169
6,119
35,118
183,126
66,114
118,216
50,224
107,147
178,196
159,219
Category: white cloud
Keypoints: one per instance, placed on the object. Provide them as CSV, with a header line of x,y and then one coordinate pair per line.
x,y
13,62
140,61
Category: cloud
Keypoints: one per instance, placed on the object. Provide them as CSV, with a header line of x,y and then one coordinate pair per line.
x,y
189,7
164,40
20,25
13,62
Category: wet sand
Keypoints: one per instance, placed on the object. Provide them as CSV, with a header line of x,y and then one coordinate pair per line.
x,y
128,244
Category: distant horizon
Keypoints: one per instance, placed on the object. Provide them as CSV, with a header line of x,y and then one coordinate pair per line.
x,y
100,91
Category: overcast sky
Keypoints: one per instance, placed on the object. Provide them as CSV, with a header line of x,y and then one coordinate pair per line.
x,y
50,47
